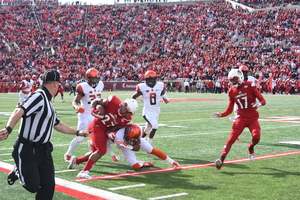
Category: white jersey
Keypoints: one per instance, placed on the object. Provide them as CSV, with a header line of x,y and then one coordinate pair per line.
x,y
151,96
89,94
26,86
253,80
128,155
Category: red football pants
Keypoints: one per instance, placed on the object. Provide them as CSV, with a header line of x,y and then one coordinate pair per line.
x,y
98,138
238,127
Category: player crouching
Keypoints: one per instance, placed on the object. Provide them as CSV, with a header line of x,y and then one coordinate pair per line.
x,y
129,139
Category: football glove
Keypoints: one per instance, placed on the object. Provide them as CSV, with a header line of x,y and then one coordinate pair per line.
x,y
80,109
95,112
216,115
122,144
256,104
112,136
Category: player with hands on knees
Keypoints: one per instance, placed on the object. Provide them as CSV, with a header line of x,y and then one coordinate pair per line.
x,y
129,139
244,94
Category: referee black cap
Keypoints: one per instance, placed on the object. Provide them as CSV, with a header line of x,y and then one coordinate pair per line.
x,y
51,75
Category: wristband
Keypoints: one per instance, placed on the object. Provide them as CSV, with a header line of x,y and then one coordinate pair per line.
x,y
76,107
77,133
9,129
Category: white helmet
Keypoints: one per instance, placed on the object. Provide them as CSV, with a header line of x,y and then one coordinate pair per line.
x,y
235,77
132,105
129,106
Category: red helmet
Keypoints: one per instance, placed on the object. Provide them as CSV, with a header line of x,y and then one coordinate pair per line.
x,y
92,76
132,134
150,78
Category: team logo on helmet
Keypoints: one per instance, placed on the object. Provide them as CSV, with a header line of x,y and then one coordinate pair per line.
x,y
132,134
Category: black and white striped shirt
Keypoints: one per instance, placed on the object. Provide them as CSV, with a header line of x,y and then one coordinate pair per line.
x,y
39,117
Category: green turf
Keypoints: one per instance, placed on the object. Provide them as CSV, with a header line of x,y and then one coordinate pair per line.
x,y
200,140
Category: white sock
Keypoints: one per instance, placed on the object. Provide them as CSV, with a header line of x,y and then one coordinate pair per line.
x,y
169,160
74,143
149,140
109,149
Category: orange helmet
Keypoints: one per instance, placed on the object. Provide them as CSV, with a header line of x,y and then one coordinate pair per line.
x,y
150,78
132,134
27,78
243,68
92,76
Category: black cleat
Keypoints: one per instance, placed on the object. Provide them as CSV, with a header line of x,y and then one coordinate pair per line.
x,y
12,176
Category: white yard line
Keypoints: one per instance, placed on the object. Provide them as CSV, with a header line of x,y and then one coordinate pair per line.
x,y
126,187
168,196
81,188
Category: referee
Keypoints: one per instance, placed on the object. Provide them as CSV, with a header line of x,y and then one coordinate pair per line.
x,y
32,149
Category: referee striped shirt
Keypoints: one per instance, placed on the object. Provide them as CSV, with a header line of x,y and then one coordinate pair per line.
x,y
39,117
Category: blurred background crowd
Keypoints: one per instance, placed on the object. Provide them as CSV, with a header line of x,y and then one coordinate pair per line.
x,y
192,45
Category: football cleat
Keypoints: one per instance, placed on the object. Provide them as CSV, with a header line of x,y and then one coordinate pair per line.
x,y
12,176
176,165
252,157
89,143
62,101
67,158
218,164
72,162
115,158
238,139
148,164
84,175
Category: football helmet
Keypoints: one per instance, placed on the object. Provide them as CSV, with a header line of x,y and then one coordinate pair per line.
x,y
92,76
27,78
235,77
132,134
245,71
129,106
150,78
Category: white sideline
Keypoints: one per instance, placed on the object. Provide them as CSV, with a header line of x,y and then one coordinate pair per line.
x,y
82,188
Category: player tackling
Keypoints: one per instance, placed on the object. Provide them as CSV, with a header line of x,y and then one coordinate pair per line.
x,y
244,94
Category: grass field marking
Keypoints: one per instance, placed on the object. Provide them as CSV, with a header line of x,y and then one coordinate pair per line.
x,y
168,196
126,187
77,190
5,154
135,173
67,170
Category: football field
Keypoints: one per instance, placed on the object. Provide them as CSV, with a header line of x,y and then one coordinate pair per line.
x,y
189,136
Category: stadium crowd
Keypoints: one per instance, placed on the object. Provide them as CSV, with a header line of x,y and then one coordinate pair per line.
x,y
196,43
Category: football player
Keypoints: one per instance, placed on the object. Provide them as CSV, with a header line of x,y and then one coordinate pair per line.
x,y
86,93
117,115
60,90
25,89
151,91
244,94
254,82
129,139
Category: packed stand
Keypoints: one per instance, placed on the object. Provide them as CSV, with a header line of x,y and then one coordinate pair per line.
x,y
197,43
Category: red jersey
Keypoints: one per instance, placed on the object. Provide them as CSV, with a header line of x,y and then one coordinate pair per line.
x,y
244,97
112,118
